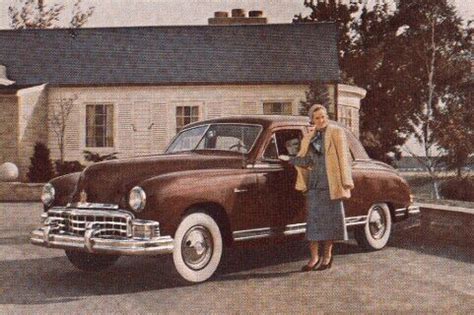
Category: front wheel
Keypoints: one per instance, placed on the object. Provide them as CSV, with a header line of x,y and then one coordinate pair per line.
x,y
376,232
91,262
198,247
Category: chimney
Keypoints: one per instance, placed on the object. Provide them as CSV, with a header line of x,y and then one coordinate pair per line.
x,y
238,17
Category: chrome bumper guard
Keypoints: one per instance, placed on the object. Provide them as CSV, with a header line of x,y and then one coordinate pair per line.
x,y
94,240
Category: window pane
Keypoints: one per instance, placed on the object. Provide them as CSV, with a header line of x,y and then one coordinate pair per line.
x,y
99,125
187,111
99,110
195,112
277,108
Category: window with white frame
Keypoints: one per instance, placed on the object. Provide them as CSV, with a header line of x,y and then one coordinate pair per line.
x,y
277,108
345,116
186,115
99,125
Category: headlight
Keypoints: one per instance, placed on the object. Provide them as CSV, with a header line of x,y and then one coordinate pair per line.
x,y
48,194
137,199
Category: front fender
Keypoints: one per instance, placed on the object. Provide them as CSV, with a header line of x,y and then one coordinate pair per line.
x,y
65,186
170,195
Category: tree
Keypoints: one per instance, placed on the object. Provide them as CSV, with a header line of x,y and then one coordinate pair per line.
x,y
373,63
58,119
41,168
363,47
433,41
317,94
454,131
334,11
32,14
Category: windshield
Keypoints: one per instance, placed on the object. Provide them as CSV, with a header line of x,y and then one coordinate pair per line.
x,y
226,137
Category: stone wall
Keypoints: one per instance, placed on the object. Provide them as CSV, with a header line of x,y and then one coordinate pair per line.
x,y
20,192
8,129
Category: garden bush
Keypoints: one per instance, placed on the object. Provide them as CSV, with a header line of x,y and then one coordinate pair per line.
x,y
41,167
66,167
458,188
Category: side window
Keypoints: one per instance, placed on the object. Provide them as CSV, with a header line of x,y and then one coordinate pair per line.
x,y
355,147
285,142
271,152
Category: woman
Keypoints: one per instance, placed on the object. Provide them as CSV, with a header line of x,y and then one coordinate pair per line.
x,y
324,173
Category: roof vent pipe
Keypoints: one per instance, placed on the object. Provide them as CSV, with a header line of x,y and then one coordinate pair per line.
x,y
238,13
221,14
3,76
255,13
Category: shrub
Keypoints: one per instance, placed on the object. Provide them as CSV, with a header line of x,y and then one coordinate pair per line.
x,y
458,188
66,167
41,168
96,157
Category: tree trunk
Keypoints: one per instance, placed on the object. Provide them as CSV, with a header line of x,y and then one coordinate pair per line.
x,y
435,188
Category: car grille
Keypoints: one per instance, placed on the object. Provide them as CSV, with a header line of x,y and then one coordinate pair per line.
x,y
74,221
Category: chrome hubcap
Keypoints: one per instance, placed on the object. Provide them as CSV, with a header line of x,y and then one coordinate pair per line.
x,y
377,223
197,247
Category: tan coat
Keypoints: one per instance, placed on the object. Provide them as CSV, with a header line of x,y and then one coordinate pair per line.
x,y
338,163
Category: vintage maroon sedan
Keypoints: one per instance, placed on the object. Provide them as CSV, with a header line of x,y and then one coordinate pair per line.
x,y
218,183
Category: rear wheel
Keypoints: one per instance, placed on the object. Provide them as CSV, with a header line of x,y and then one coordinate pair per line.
x,y
374,235
91,262
198,247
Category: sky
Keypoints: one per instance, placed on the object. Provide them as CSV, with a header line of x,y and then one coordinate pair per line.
x,y
188,12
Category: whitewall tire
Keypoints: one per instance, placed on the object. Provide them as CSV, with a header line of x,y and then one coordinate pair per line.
x,y
198,247
374,235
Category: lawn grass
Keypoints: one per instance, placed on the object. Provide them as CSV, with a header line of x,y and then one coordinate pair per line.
x,y
422,188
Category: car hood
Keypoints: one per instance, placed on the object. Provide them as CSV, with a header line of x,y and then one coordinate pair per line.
x,y
110,181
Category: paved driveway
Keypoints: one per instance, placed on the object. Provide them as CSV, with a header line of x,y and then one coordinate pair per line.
x,y
414,274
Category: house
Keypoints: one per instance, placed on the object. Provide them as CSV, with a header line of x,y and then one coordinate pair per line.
x,y
130,89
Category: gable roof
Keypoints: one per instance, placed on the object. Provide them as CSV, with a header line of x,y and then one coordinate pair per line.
x,y
270,53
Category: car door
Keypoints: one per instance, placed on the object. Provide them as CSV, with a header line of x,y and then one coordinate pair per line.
x,y
276,181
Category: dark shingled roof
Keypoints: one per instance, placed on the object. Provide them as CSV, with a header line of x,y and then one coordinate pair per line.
x,y
271,53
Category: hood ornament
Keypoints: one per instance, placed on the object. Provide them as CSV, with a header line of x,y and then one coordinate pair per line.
x,y
83,197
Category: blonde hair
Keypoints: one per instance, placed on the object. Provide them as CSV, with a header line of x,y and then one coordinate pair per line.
x,y
314,108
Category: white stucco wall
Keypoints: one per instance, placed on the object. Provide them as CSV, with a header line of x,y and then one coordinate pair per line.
x,y
156,107
32,122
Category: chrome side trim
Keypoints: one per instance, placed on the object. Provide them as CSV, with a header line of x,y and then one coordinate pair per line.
x,y
252,234
413,210
244,235
289,229
357,220
265,166
400,212
293,229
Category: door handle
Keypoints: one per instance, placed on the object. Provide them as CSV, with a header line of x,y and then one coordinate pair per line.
x,y
237,190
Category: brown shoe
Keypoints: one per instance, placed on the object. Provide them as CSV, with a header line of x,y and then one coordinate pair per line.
x,y
307,268
325,266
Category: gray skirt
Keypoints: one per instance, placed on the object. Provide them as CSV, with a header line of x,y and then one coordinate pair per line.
x,y
325,218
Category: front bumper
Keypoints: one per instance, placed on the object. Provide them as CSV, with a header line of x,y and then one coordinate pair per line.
x,y
93,240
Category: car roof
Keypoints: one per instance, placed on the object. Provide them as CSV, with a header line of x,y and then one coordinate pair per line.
x,y
264,120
